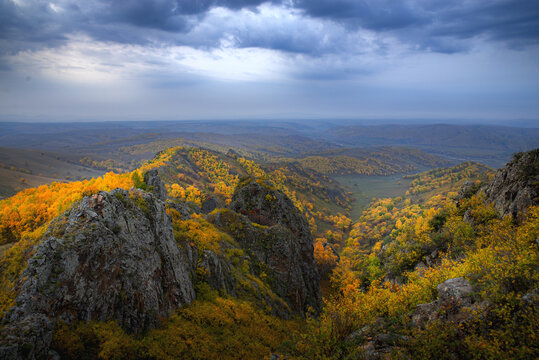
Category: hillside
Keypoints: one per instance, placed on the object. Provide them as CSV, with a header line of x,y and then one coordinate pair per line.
x,y
232,253
492,145
437,274
371,161
21,169
120,154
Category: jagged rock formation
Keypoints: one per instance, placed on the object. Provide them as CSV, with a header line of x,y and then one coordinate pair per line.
x,y
516,186
283,242
154,184
112,256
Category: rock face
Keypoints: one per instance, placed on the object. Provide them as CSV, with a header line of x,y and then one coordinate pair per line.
x,y
454,303
283,242
112,256
516,186
218,272
467,190
153,181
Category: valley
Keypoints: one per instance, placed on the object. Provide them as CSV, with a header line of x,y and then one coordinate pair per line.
x,y
366,188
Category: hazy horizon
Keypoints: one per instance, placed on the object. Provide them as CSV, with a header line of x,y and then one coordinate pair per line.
x,y
517,123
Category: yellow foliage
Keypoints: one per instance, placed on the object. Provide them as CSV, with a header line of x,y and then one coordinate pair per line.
x,y
218,329
198,231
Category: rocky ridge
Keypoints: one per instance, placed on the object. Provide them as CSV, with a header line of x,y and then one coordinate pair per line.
x,y
114,256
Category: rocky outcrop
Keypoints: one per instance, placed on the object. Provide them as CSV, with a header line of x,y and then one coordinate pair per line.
x,y
112,256
455,303
218,272
516,186
468,189
154,184
281,240
209,204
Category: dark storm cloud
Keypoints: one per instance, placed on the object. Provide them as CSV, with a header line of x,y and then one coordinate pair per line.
x,y
118,20
435,25
374,14
516,20
167,14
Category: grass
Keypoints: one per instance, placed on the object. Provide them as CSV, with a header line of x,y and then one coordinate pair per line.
x,y
364,188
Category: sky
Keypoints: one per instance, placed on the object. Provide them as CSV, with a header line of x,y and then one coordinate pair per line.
x,y
65,60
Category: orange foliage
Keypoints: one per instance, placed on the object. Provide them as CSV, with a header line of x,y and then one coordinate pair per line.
x,y
325,258
26,213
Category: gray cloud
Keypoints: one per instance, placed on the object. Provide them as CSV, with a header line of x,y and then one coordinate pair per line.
x,y
375,15
331,30
435,25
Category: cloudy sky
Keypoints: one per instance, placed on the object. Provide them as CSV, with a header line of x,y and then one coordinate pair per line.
x,y
226,59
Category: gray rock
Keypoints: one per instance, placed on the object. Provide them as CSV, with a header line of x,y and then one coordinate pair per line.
x,y
467,217
154,184
430,260
112,256
279,238
358,335
219,273
468,189
209,204
368,351
454,291
424,313
420,266
180,207
454,298
516,186
532,297
29,338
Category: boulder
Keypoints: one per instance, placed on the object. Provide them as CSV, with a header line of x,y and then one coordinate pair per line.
x,y
454,303
454,291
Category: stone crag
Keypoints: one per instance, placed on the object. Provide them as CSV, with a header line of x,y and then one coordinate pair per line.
x,y
113,255
288,247
516,186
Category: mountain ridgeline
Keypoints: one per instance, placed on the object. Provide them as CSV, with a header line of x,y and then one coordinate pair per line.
x,y
120,255
201,254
